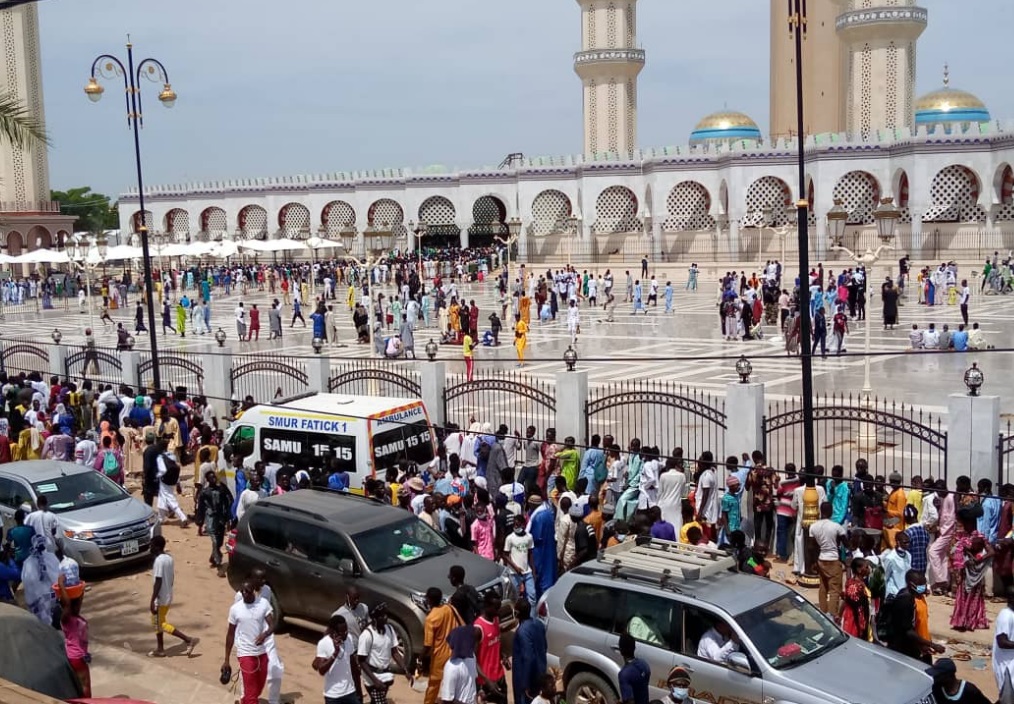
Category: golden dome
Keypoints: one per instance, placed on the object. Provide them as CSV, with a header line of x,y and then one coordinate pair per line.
x,y
949,105
725,125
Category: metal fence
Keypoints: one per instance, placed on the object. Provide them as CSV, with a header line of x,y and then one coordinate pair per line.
x,y
498,397
176,369
892,437
660,413
369,378
102,365
267,379
1005,454
24,356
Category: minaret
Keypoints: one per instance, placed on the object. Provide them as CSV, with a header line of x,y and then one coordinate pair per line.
x,y
880,48
608,64
823,73
24,173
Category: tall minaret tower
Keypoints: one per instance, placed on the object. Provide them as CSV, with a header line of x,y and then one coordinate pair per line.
x,y
608,64
880,50
823,75
24,173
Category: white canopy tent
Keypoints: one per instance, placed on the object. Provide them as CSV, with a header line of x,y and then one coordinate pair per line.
x,y
42,256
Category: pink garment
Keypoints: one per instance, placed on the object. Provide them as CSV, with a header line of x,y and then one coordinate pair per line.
x,y
939,552
482,536
75,635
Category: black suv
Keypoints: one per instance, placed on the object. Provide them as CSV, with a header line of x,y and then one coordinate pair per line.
x,y
313,544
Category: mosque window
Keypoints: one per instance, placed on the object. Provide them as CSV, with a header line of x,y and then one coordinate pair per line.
x,y
437,210
548,212
294,220
866,97
892,86
860,194
616,211
611,25
955,194
613,116
689,206
338,214
593,116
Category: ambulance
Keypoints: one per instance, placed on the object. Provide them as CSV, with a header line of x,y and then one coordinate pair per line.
x,y
366,434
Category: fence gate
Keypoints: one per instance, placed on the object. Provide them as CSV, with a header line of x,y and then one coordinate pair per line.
x,y
101,365
176,369
267,379
364,378
892,437
661,414
1005,454
497,397
18,357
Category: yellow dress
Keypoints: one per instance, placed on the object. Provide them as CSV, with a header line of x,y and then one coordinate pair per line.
x,y
896,503
521,338
454,313
525,308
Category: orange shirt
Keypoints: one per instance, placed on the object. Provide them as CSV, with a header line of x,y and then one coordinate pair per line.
x,y
440,621
922,618
595,520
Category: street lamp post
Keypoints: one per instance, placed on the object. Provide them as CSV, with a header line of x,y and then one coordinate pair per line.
x,y
513,235
108,66
420,230
345,244
886,217
797,29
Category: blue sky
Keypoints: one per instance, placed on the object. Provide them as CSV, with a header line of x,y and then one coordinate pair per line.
x,y
309,86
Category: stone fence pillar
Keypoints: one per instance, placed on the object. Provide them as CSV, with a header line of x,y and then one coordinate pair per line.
x,y
318,373
432,380
218,380
744,420
571,405
973,431
130,359
58,360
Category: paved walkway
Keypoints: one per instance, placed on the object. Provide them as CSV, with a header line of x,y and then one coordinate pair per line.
x,y
117,671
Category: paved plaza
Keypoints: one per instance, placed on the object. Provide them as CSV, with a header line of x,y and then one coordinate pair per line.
x,y
684,347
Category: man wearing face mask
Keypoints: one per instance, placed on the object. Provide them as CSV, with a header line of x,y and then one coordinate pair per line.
x,y
907,620
896,563
678,682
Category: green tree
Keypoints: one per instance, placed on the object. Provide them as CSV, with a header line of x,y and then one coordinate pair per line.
x,y
18,126
92,210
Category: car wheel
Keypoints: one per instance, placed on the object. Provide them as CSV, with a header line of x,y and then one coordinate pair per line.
x,y
404,646
589,688
278,613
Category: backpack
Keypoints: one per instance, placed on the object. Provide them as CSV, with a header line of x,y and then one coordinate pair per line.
x,y
172,471
110,465
884,625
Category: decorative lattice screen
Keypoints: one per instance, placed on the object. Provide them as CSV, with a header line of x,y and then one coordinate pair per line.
x,y
177,221
689,206
488,210
253,220
437,210
548,211
135,220
294,220
860,195
385,211
336,215
770,191
616,211
957,187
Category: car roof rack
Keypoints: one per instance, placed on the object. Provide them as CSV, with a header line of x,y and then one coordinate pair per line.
x,y
667,559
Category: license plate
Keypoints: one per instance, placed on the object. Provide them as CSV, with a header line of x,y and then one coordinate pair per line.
x,y
129,548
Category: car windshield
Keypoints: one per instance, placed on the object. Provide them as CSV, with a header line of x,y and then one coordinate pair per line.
x,y
72,492
789,631
400,543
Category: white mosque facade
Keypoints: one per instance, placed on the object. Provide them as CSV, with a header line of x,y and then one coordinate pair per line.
x,y
728,194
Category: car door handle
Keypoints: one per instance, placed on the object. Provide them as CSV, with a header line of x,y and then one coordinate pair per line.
x,y
274,563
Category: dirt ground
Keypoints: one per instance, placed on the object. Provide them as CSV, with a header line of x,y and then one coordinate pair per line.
x,y
117,609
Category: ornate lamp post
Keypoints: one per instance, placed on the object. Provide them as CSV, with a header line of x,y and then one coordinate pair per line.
x,y
744,369
797,29
317,344
886,216
513,235
570,358
837,223
420,230
431,350
108,66
974,379
220,337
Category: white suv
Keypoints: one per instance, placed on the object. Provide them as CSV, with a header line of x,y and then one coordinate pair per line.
x,y
667,595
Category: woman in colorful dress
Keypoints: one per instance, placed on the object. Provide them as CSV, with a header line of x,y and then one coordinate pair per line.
x,y
970,559
855,603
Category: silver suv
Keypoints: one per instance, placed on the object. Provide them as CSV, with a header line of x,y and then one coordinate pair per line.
x,y
102,524
668,595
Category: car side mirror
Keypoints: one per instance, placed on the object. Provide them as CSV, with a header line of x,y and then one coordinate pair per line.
x,y
347,566
740,663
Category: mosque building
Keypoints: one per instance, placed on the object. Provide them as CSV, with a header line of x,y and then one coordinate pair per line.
x,y
727,193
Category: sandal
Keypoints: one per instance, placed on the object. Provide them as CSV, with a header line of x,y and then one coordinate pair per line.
x,y
156,653
191,645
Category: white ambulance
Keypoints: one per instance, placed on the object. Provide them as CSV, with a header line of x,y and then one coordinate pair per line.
x,y
366,434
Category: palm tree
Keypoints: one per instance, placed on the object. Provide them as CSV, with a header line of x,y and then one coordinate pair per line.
x,y
18,126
